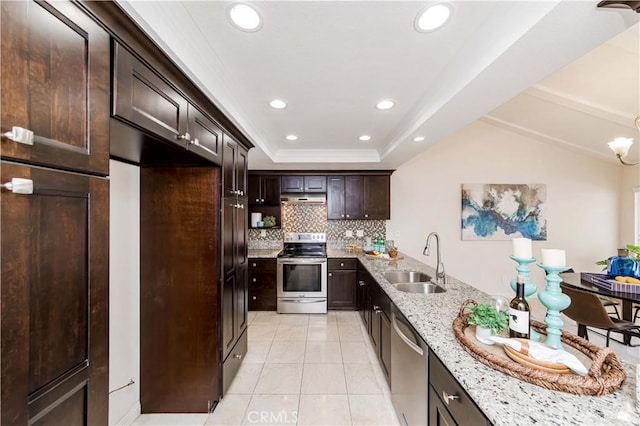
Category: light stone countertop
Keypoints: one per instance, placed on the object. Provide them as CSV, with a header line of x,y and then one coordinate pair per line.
x,y
264,253
505,400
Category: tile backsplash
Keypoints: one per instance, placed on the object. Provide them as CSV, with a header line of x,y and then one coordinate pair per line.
x,y
313,218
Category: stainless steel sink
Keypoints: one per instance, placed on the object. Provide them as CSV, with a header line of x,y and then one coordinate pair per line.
x,y
407,277
418,287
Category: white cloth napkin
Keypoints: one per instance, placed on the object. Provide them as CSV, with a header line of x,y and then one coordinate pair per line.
x,y
544,353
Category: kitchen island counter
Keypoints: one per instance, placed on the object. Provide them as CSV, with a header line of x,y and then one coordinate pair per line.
x,y
504,400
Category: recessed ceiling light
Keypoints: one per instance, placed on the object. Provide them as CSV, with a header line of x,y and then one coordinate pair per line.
x,y
278,104
244,17
385,104
291,137
418,139
365,138
433,17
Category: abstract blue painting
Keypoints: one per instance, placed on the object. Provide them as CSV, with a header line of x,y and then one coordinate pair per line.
x,y
503,211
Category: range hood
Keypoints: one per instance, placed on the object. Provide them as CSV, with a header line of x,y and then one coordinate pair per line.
x,y
298,198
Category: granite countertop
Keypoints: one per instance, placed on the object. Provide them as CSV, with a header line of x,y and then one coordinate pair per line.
x,y
264,253
505,400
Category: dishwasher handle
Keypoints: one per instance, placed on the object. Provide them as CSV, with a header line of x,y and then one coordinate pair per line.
x,y
404,338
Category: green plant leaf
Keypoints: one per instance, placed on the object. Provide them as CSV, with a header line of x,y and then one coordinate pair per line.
x,y
486,316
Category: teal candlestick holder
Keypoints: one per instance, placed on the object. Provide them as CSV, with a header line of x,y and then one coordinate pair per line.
x,y
529,286
555,301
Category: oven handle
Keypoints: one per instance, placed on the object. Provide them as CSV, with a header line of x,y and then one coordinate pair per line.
x,y
304,301
300,261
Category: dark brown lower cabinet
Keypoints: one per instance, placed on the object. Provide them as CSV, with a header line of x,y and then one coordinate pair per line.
x,y
449,404
179,281
262,285
55,299
342,284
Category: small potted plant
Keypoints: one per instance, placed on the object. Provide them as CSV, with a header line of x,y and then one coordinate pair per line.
x,y
488,321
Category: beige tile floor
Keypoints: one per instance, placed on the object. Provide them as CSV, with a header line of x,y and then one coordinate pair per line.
x,y
312,370
301,370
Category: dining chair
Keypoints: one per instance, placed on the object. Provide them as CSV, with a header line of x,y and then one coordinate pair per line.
x,y
587,310
607,302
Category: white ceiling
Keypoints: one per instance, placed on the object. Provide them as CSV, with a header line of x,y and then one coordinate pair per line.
x,y
562,71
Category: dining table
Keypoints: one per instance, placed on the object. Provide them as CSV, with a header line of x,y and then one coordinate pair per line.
x,y
577,280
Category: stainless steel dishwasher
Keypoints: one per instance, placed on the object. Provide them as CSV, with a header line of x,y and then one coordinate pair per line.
x,y
409,383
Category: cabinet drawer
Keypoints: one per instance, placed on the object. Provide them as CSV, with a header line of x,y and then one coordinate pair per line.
x,y
342,263
261,265
462,408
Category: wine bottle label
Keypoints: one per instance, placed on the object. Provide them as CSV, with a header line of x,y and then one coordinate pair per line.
x,y
519,321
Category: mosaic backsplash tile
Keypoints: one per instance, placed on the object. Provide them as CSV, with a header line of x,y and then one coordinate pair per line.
x,y
313,218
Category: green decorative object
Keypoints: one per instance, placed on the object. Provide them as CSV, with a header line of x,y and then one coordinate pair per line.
x,y
269,221
486,316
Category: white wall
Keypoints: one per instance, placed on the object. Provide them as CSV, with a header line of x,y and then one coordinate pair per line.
x,y
583,203
124,291
630,180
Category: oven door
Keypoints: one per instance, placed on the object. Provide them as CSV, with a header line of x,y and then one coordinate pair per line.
x,y
302,277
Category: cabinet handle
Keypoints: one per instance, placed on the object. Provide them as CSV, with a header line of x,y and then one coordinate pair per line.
x,y
254,265
377,311
237,356
330,274
347,215
20,135
262,200
341,215
185,137
241,206
448,397
362,283
341,264
19,186
376,307
255,298
257,200
240,192
255,280
366,215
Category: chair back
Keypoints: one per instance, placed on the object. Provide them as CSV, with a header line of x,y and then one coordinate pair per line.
x,y
586,308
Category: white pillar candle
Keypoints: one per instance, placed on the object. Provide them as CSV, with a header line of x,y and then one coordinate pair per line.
x,y
522,248
553,257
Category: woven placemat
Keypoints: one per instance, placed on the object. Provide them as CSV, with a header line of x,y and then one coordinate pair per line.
x,y
605,376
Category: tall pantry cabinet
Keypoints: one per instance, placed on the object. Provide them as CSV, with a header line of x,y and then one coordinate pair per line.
x,y
55,235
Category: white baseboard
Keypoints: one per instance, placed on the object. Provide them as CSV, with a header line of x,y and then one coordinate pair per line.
x,y
131,415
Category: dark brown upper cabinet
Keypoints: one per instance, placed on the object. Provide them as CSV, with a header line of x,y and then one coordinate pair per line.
x,y
304,184
264,190
143,98
234,169
376,202
55,68
358,197
344,197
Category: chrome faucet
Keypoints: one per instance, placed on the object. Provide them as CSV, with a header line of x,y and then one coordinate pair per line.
x,y
440,276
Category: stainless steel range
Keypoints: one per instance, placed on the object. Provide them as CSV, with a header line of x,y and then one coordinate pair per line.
x,y
302,274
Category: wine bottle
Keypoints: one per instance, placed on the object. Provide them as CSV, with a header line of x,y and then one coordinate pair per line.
x,y
519,321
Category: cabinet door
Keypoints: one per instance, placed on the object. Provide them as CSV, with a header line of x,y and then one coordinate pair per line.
x,y
292,183
315,184
342,289
55,82
254,189
271,190
438,414
242,301
335,197
229,314
353,197
145,99
206,136
375,197
54,299
385,346
229,156
242,167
